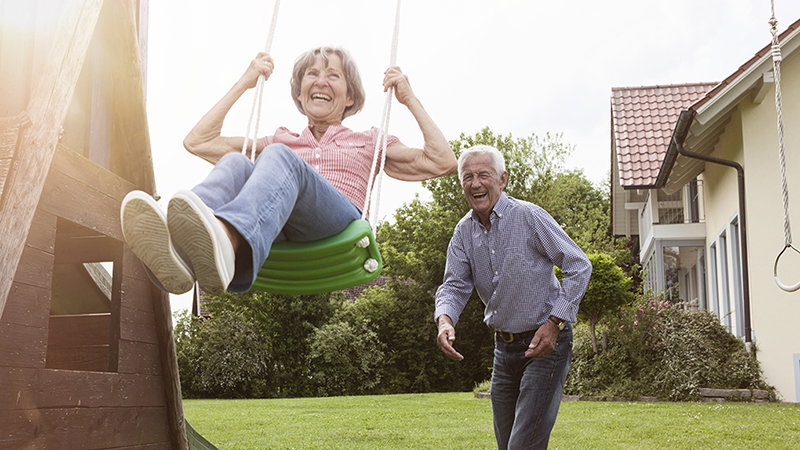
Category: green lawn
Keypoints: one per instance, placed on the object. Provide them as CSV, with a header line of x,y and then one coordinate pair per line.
x,y
460,421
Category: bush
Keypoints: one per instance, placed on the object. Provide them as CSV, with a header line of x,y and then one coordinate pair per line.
x,y
402,317
225,357
663,351
345,359
286,322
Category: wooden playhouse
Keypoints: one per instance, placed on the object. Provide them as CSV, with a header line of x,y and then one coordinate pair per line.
x,y
87,358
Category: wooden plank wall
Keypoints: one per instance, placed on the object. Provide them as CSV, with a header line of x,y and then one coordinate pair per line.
x,y
53,409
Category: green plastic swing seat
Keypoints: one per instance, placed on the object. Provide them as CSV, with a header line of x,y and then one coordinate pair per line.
x,y
325,265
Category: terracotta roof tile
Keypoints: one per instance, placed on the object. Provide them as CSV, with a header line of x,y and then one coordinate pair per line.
x,y
643,119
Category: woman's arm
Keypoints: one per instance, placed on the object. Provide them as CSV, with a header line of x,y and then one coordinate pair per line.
x,y
205,140
435,158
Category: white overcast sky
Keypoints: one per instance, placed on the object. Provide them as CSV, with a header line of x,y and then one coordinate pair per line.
x,y
518,67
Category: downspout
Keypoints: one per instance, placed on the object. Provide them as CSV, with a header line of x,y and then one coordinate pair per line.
x,y
682,128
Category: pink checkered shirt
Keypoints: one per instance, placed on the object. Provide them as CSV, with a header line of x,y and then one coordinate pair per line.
x,y
342,156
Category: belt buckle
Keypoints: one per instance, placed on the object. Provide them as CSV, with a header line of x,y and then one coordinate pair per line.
x,y
508,340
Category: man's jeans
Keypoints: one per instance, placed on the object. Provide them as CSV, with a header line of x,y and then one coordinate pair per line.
x,y
526,392
278,198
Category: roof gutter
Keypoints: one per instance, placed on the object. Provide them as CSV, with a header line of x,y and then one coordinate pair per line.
x,y
676,148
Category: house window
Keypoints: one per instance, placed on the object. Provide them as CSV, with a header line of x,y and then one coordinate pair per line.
x,y
701,283
683,273
712,278
650,275
670,207
83,329
736,263
683,206
723,279
693,209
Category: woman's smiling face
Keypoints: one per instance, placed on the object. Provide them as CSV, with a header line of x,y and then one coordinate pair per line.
x,y
323,91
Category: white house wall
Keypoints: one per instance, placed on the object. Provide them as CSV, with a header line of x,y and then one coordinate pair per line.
x,y
722,203
775,313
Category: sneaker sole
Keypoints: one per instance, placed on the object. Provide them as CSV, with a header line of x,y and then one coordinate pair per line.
x,y
191,227
145,230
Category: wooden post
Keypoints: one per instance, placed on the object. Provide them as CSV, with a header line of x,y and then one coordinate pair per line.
x,y
47,110
169,368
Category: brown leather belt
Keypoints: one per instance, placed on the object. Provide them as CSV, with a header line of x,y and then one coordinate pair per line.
x,y
512,337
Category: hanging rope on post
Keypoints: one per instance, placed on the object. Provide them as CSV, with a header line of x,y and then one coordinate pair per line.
x,y
255,110
787,228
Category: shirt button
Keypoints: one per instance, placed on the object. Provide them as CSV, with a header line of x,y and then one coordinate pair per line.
x,y
484,231
317,155
316,167
497,273
494,312
493,252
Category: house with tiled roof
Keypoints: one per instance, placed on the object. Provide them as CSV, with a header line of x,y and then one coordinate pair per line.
x,y
696,184
662,223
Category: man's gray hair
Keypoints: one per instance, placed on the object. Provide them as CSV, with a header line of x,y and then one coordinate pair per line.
x,y
355,89
498,161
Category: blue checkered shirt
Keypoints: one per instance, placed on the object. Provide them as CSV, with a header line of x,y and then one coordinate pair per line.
x,y
511,266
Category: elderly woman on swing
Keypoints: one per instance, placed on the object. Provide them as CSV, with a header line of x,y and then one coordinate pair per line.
x,y
302,187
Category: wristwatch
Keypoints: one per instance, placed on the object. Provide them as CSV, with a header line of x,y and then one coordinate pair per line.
x,y
558,322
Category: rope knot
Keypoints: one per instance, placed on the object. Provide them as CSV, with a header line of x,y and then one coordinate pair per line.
x,y
776,53
773,22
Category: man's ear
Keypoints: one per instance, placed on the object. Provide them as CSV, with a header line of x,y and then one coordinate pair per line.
x,y
503,179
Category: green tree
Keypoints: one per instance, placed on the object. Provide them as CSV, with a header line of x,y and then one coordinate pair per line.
x,y
608,290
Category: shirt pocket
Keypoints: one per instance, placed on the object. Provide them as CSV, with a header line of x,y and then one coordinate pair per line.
x,y
516,264
353,142
353,151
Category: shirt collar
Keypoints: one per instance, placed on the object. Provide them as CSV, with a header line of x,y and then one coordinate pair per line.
x,y
330,133
497,212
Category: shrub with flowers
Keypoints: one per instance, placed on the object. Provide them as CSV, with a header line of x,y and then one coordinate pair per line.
x,y
652,348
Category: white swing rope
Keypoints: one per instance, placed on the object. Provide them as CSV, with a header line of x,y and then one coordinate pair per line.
x,y
255,110
380,142
787,229
371,265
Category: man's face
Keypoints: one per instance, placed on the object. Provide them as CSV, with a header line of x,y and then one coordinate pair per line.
x,y
481,184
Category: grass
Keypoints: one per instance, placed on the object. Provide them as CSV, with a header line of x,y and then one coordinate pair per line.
x,y
460,421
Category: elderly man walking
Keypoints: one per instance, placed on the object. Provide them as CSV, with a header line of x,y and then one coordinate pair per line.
x,y
506,249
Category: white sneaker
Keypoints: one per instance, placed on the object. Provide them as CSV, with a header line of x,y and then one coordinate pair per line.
x,y
144,227
199,233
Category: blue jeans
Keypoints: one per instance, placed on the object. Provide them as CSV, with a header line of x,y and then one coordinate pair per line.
x,y
526,392
278,198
